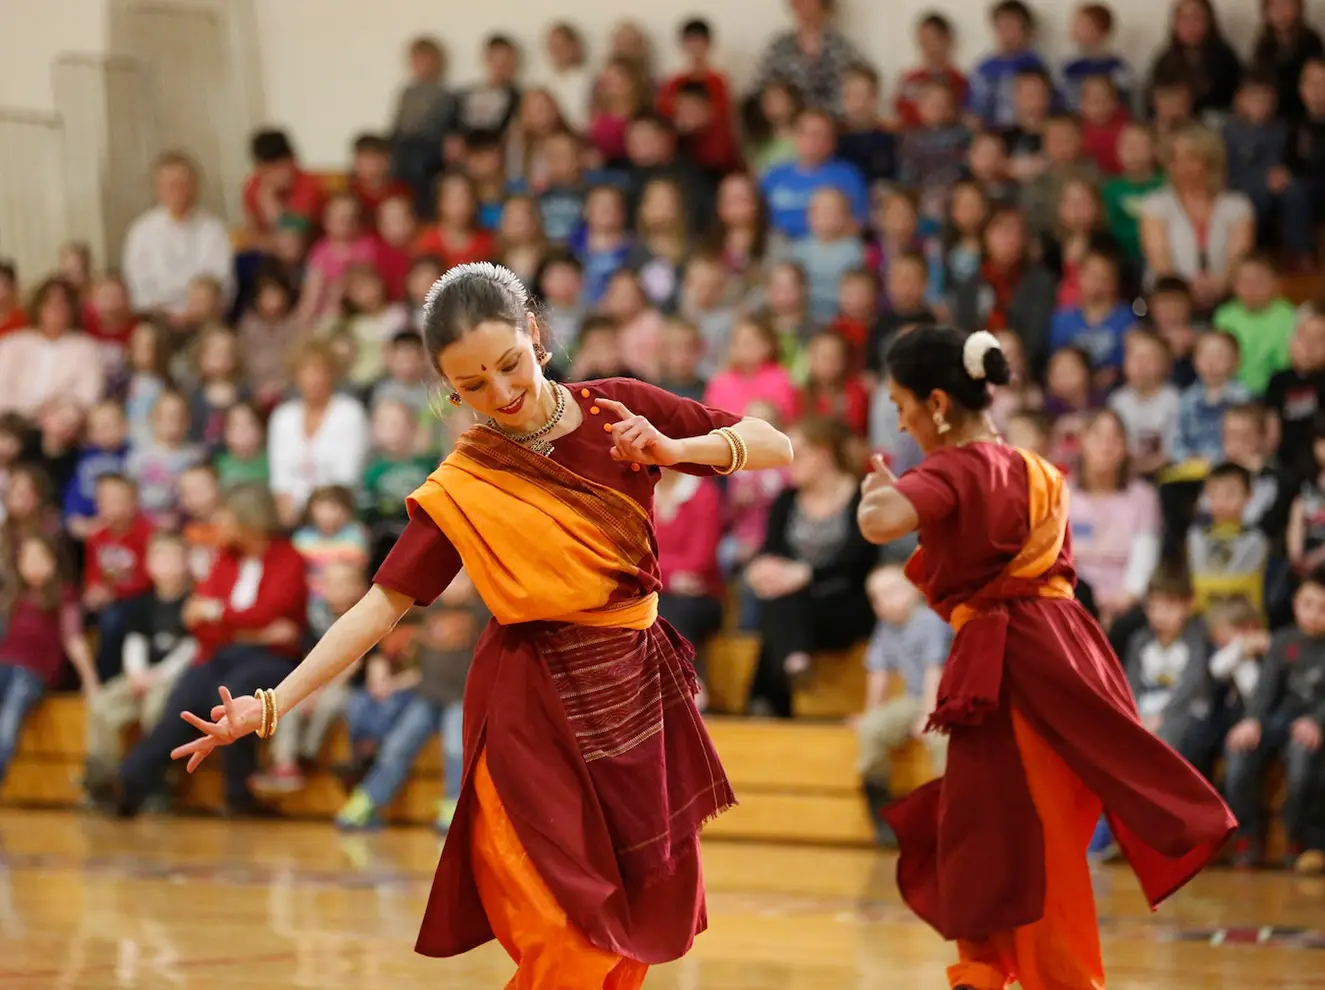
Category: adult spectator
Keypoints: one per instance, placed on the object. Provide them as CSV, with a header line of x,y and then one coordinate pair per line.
x,y
247,616
813,57
53,360
175,242
1194,227
789,187
319,437
810,575
277,188
1198,55
688,511
1115,520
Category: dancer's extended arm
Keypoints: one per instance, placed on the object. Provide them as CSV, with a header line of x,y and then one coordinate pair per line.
x,y
352,635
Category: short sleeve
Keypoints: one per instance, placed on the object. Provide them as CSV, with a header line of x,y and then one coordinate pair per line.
x,y
1237,207
423,562
931,488
1157,206
673,415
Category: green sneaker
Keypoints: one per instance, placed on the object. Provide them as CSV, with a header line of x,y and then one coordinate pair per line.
x,y
358,814
445,816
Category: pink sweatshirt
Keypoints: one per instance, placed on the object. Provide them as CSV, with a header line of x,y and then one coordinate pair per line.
x,y
733,391
688,539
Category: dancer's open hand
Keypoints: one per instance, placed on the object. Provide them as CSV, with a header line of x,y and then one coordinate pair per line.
x,y
232,719
878,478
637,441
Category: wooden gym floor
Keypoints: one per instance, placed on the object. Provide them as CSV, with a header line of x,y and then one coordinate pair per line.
x,y
187,902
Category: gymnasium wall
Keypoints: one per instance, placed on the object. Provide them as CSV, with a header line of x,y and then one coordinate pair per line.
x,y
330,66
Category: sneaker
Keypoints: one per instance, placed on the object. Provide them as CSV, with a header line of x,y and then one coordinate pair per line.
x,y
358,814
1311,863
445,816
277,780
1103,847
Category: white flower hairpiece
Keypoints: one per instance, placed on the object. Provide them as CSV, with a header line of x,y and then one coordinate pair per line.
x,y
974,350
500,274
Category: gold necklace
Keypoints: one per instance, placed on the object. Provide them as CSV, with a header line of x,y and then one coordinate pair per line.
x,y
534,439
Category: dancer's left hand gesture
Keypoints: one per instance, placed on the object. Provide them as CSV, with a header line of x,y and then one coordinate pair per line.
x,y
637,441
232,719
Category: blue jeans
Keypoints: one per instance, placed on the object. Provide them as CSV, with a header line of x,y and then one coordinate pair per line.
x,y
20,690
112,625
369,719
1294,207
420,719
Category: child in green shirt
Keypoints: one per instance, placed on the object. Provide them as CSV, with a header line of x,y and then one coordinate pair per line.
x,y
1124,195
394,472
1260,318
244,457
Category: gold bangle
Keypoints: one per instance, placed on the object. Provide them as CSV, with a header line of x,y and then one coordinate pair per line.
x,y
740,453
275,710
731,445
266,725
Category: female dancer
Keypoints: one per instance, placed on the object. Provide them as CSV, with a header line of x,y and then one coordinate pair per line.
x,y
588,773
1043,730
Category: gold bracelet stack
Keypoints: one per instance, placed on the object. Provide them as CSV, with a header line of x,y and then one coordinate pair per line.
x,y
740,452
270,713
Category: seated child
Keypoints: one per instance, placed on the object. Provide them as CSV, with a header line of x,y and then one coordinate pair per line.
x,y
1260,318
1148,402
1296,394
1240,640
104,451
300,733
679,358
394,472
1225,557
157,649
1201,410
1285,718
1166,661
443,651
44,626
909,643
115,566
332,535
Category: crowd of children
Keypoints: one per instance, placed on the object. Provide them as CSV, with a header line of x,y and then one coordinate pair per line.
x,y
1125,233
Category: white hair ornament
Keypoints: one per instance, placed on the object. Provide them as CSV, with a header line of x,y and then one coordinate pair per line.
x,y
974,350
500,274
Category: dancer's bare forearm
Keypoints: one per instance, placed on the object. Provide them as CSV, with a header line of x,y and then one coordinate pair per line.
x,y
353,634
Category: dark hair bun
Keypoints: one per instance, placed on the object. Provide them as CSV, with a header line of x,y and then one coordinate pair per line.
x,y
997,369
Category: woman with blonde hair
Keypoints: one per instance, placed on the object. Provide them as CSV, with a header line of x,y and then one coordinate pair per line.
x,y
1195,227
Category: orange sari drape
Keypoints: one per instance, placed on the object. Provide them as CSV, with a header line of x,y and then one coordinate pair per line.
x,y
540,542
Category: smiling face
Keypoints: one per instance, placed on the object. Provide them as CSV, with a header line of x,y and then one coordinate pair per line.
x,y
493,369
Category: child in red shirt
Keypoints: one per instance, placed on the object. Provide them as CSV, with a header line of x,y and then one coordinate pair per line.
x,y
698,102
831,388
43,626
934,39
1103,118
370,175
457,238
277,187
115,566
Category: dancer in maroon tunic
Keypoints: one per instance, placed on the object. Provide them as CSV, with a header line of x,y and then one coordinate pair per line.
x,y
1043,729
588,770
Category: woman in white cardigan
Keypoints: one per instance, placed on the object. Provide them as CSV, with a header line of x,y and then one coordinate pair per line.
x,y
319,438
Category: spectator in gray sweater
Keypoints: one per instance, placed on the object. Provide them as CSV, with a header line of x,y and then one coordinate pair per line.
x,y
1257,145
1285,718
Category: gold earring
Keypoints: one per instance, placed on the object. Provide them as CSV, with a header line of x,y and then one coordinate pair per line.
x,y
540,353
454,397
941,424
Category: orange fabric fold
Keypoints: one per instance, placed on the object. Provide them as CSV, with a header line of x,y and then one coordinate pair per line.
x,y
1061,951
550,953
1048,522
540,542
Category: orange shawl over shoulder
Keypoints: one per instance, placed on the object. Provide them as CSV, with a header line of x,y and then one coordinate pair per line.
x,y
540,542
972,677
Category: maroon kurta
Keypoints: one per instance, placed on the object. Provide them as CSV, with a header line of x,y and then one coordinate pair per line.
x,y
516,710
972,859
